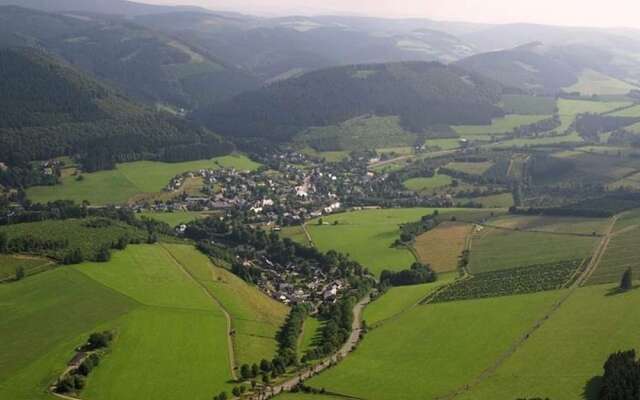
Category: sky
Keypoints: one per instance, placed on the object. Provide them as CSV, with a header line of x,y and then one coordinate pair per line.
x,y
601,13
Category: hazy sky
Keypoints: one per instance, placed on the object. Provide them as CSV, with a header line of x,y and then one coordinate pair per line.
x,y
616,13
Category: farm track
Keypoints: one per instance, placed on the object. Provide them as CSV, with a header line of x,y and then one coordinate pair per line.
x,y
504,228
587,272
308,235
230,343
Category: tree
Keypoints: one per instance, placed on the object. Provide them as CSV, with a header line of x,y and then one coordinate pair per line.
x,y
245,371
265,366
103,255
20,274
4,243
255,371
236,391
626,283
320,221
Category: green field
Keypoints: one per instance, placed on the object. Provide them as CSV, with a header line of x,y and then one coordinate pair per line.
x,y
574,107
627,112
431,350
367,236
422,184
471,168
309,333
128,180
499,126
10,263
175,218
78,233
573,137
528,105
560,359
592,83
255,317
495,249
443,144
621,254
503,200
576,225
402,298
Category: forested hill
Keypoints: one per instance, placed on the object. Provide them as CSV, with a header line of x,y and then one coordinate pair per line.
x,y
50,109
422,94
140,62
115,7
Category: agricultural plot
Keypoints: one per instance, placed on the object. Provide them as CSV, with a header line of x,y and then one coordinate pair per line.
x,y
443,144
528,105
399,299
471,168
255,317
538,223
507,282
423,184
496,249
627,112
87,235
520,143
431,350
441,247
568,107
128,180
9,264
499,126
177,217
503,200
175,322
591,83
42,320
368,235
295,233
310,331
621,253
587,328
631,182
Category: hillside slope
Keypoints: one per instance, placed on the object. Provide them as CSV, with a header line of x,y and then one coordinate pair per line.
x,y
50,109
422,94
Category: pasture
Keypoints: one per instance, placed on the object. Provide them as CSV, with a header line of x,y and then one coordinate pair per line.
x,y
497,249
562,358
177,217
309,332
128,180
423,184
621,253
538,223
431,350
502,200
471,168
441,247
9,264
627,112
255,317
368,235
591,83
499,126
528,105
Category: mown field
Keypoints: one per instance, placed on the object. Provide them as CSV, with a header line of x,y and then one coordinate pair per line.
x,y
621,254
574,225
441,247
431,350
255,317
367,235
174,323
310,331
562,358
496,249
9,264
128,180
591,83
402,298
423,184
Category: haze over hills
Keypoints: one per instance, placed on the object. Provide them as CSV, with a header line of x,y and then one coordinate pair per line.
x,y
110,7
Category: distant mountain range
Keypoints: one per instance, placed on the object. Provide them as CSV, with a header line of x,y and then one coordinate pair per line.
x,y
113,7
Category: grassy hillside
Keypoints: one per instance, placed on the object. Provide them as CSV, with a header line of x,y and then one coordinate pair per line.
x,y
431,350
591,83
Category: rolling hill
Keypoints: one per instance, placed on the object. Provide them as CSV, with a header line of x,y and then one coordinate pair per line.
x,y
141,62
50,110
422,94
115,7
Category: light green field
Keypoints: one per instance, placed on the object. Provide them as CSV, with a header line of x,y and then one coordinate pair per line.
x,y
295,233
175,218
627,112
576,225
471,168
128,180
503,200
42,320
329,156
496,249
443,144
499,126
421,184
592,83
310,332
255,317
528,105
401,298
620,255
573,137
559,360
367,236
575,107
9,265
431,350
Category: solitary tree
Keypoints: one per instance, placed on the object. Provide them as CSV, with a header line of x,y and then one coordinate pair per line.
x,y
19,273
626,283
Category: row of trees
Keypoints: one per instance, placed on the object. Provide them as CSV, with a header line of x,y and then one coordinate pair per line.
x,y
417,274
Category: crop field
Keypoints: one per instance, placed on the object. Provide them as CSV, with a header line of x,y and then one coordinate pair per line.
x,y
423,184
255,317
496,249
471,168
442,246
401,298
431,350
528,105
507,282
367,235
621,253
177,217
42,320
592,83
78,233
175,322
128,180
499,126
538,223
587,328
10,263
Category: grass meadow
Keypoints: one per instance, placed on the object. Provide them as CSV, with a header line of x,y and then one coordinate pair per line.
x,y
10,263
441,247
499,126
562,358
424,184
177,217
528,105
621,254
591,83
128,180
431,350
